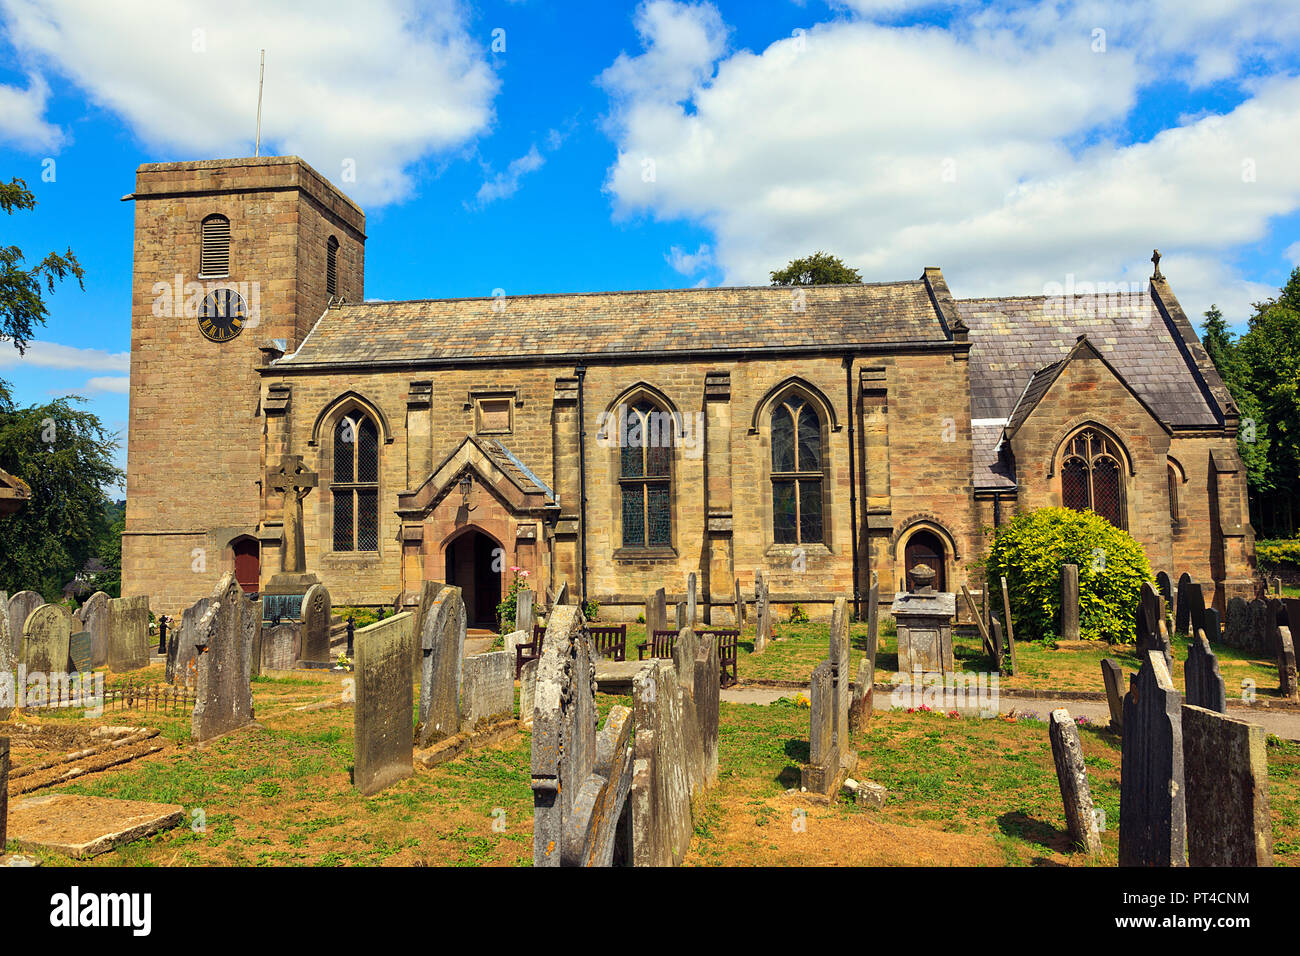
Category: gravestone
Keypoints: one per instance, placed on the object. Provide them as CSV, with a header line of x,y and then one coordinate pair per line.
x,y
739,602
45,640
839,658
923,619
128,633
79,651
1166,587
1213,630
996,637
223,697
1259,629
1226,773
683,658
382,714
1183,609
1152,634
94,621
656,613
1291,608
1204,684
8,662
562,596
251,611
443,646
1286,665
1236,623
681,615
488,688
1153,798
864,685
513,640
281,647
762,612
1195,608
1070,602
428,591
820,774
1006,613
528,691
21,605
707,686
291,479
691,605
181,650
524,617
1113,678
1072,776
580,778
4,793
316,616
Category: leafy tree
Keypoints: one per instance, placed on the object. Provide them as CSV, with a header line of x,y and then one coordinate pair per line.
x,y
22,304
818,269
66,456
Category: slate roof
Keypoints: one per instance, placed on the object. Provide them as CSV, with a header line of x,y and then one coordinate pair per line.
x,y
665,320
520,473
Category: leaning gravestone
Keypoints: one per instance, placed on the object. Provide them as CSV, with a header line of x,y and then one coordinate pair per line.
x,y
864,686
1286,665
580,778
21,605
1183,610
316,617
223,699
128,633
488,689
762,612
442,643
281,647
46,638
1070,602
1072,776
1226,772
1113,678
1205,687
384,740
1153,798
94,621
429,590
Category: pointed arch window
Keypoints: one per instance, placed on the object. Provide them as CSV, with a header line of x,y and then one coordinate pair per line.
x,y
355,488
797,477
1092,476
645,475
214,247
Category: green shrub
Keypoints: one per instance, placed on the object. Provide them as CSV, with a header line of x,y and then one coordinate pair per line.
x,y
591,611
1030,550
798,615
1276,557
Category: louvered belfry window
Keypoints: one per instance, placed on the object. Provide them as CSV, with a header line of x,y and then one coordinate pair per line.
x,y
796,472
214,254
332,267
1092,476
355,489
645,477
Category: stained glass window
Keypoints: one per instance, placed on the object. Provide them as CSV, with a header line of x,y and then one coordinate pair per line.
x,y
797,500
645,476
355,488
1091,476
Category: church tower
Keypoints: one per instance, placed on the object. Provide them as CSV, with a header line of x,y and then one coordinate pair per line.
x,y
235,260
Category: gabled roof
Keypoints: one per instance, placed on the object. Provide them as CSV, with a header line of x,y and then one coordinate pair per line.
x,y
771,318
497,468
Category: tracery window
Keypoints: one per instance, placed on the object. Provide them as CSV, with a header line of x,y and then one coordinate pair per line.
x,y
355,488
645,476
797,477
1092,476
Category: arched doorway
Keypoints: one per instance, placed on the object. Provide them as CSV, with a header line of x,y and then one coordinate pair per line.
x,y
248,563
924,547
474,564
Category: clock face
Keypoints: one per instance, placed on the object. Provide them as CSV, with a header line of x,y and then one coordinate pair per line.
x,y
222,315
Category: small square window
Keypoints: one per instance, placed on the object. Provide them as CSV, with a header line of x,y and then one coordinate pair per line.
x,y
493,416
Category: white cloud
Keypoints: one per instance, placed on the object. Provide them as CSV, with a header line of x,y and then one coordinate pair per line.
x,y
681,41
54,355
689,263
1292,254
104,383
384,84
898,148
22,117
506,184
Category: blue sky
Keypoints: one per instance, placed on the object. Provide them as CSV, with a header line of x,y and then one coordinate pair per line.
x,y
666,144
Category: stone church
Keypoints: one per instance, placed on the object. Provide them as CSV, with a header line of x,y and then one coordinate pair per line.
x,y
618,441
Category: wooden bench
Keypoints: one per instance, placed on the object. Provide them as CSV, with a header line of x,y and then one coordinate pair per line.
x,y
660,645
728,641
530,651
610,640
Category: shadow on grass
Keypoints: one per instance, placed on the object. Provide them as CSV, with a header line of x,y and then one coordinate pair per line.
x,y
1025,827
791,775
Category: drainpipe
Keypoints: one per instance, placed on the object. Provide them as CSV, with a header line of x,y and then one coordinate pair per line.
x,y
853,486
581,372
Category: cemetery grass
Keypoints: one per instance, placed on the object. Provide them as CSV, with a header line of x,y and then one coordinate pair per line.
x,y
962,791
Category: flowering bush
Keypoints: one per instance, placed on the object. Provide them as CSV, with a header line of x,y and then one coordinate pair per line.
x,y
507,609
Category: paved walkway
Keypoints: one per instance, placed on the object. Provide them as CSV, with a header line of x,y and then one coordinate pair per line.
x,y
1284,723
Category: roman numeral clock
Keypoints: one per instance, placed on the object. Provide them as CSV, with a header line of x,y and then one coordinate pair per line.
x,y
222,315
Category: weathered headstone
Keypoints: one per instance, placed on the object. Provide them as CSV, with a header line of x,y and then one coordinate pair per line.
x,y
21,605
762,612
1226,773
839,658
4,793
580,778
128,633
281,647
681,615
488,688
94,621
79,651
707,697
429,590
1006,613
1183,609
1201,676
562,595
999,646
514,639
1195,608
1070,602
443,646
251,612
224,694
923,620
863,686
1235,623
822,770
317,614
181,651
1072,776
1286,665
691,607
528,691
1113,678
8,662
524,617
684,652
1152,633
45,640
739,603
1259,629
656,613
659,806
1165,586
385,740
1153,798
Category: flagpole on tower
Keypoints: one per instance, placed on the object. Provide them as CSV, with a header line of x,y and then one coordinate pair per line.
x,y
261,70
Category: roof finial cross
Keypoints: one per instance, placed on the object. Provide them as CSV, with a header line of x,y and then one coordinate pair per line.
x,y
1155,260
